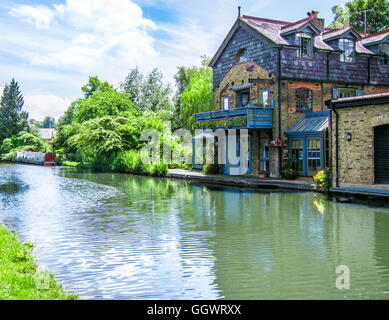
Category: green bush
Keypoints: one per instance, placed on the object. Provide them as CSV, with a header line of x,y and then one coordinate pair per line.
x,y
211,169
288,174
128,162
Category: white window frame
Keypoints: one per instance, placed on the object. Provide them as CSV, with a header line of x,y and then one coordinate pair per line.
x,y
300,41
348,48
226,103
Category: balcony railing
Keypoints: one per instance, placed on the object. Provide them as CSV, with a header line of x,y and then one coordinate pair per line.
x,y
256,117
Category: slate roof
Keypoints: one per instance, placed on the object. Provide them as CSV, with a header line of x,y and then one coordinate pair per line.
x,y
375,37
311,123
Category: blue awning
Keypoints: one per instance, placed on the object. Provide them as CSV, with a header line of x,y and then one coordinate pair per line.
x,y
242,87
312,123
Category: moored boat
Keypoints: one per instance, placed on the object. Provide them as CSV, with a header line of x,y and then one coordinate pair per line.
x,y
46,159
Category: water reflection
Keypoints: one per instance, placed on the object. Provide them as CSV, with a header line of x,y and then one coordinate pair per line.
x,y
130,237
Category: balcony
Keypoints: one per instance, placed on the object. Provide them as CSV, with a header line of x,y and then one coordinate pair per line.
x,y
251,117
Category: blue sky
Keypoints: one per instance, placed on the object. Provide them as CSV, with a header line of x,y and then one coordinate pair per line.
x,y
52,47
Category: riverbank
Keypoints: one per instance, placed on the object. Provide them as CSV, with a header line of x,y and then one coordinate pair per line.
x,y
301,184
19,275
357,193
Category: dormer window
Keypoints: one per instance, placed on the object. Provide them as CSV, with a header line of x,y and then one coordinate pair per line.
x,y
348,48
384,49
304,41
241,56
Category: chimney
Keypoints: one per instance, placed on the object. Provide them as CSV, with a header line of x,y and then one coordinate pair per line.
x,y
317,22
238,11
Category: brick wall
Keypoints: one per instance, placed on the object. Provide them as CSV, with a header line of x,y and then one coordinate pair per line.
x,y
356,157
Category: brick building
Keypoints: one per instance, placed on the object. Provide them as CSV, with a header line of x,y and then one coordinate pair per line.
x,y
359,130
277,76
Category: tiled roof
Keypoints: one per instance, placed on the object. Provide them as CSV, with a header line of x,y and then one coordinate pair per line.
x,y
272,30
375,37
311,122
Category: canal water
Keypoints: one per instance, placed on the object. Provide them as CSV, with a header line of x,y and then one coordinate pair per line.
x,y
115,236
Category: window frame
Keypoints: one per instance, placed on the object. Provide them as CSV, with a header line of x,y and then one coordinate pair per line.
x,y
242,52
300,37
299,100
342,46
224,99
385,58
263,92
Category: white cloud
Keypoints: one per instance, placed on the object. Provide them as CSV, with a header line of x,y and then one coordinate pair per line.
x,y
41,16
40,106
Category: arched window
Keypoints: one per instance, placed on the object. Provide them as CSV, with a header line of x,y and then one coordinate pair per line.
x,y
303,99
242,56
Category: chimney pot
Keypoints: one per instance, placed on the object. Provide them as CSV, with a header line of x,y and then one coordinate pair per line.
x,y
238,11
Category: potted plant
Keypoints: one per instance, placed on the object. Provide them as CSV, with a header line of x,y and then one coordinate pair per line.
x,y
262,174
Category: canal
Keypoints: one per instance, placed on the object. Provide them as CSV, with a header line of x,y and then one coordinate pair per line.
x,y
115,236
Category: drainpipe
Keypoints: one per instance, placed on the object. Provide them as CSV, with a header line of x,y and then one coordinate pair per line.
x,y
369,70
279,107
337,147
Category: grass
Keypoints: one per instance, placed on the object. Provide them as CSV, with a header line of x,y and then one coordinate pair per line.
x,y
19,277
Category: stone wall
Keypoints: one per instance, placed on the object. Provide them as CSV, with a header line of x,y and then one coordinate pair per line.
x,y
356,157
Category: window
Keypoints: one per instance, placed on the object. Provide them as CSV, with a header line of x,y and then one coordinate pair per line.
x,y
338,93
244,99
303,99
225,103
304,41
348,47
384,49
265,98
296,156
242,56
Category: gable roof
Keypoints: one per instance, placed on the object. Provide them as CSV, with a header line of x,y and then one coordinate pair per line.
x,y
333,33
272,31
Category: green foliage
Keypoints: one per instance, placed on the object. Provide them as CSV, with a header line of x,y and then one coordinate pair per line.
x,y
12,118
149,93
130,162
353,13
106,135
103,103
198,95
19,277
93,85
48,122
322,179
209,169
23,141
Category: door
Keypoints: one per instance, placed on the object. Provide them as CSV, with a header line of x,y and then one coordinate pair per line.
x,y
313,156
297,155
265,155
381,154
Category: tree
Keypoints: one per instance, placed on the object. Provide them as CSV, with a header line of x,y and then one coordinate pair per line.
x,y
182,78
355,11
198,95
12,118
48,122
149,92
94,84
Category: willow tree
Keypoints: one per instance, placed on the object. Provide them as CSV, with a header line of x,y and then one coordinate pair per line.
x,y
198,95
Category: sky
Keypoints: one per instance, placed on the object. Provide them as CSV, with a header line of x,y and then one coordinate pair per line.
x,y
52,47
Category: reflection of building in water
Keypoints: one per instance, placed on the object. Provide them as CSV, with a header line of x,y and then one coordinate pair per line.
x,y
277,245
